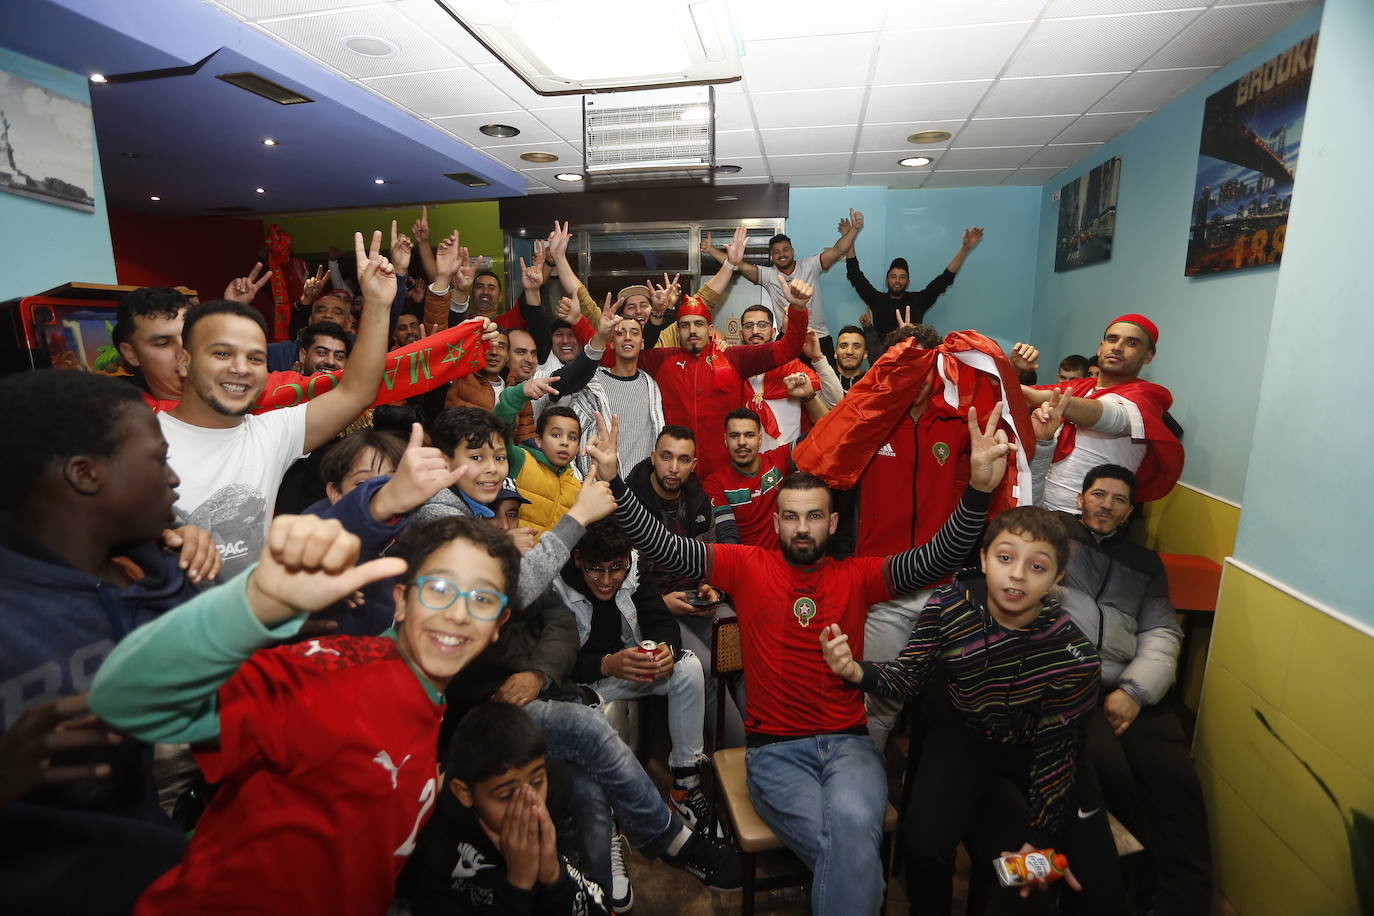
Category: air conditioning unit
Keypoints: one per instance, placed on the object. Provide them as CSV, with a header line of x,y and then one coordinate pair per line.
x,y
656,130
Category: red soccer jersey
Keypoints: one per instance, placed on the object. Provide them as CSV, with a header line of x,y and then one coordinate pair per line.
x,y
791,690
328,763
752,499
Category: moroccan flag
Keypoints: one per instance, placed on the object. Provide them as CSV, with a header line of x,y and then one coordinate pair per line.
x,y
278,256
969,370
413,369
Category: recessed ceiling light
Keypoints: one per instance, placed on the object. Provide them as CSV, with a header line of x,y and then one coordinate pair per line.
x,y
268,141
695,113
539,157
729,169
914,162
369,46
379,181
499,130
568,176
97,77
155,197
929,136
261,190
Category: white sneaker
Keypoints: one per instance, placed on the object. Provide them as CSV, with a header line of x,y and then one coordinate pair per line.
x,y
622,894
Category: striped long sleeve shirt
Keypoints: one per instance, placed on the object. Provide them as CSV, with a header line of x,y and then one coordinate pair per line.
x,y
1030,686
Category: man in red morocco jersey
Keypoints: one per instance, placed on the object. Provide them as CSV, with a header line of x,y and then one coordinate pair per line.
x,y
814,775
744,494
327,748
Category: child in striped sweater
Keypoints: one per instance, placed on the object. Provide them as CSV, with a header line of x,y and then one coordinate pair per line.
x,y
1000,757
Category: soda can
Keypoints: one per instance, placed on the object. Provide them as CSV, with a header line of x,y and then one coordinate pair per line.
x,y
649,647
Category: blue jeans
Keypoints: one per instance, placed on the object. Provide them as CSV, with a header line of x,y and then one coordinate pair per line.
x,y
581,735
825,798
686,705
591,821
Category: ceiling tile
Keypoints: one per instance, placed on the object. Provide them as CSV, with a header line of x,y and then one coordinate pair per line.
x,y
323,37
1011,131
893,136
442,93
808,108
941,55
907,178
1148,90
887,161
566,122
830,164
998,157
966,12
465,128
737,143
1046,95
263,9
432,19
809,140
816,181
757,20
1098,128
1096,44
501,76
924,101
1059,156
732,110
1059,9
1226,32
1031,176
833,62
569,159
975,179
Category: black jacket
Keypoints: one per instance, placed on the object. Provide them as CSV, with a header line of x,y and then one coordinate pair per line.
x,y
689,517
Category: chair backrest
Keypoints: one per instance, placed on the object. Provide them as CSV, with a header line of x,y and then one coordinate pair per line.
x,y
726,660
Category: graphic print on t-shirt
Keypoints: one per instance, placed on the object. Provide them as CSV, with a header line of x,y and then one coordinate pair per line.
x,y
236,517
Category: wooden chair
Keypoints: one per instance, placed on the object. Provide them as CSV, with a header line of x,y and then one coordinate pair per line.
x,y
751,835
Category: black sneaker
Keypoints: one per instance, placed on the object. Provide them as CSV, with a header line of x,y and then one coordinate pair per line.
x,y
713,864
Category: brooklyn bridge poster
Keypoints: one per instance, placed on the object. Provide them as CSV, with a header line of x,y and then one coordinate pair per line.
x,y
1251,133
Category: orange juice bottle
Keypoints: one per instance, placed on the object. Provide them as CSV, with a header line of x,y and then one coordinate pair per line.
x,y
1040,866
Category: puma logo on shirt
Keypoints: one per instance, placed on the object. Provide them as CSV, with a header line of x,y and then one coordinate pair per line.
x,y
383,760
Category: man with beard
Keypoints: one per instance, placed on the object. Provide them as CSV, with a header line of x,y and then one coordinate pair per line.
x,y
814,775
791,397
851,349
324,347
233,459
744,494
897,305
459,292
408,329
483,387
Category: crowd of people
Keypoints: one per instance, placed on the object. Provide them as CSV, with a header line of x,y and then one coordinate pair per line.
x,y
332,621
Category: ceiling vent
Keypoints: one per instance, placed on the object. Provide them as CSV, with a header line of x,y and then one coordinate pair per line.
x,y
653,130
468,179
262,86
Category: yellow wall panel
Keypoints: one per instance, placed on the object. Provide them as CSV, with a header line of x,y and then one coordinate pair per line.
x,y
1229,739
1330,687
1253,632
1187,521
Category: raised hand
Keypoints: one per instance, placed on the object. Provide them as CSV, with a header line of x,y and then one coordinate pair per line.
x,y
541,252
26,750
523,538
463,277
1049,416
844,226
314,286
567,309
811,347
197,553
798,293
594,500
799,386
610,320
705,244
989,450
866,319
603,447
420,228
559,239
734,253
835,648
422,472
447,257
376,278
401,250
307,565
857,219
243,289
490,331
532,277
904,319
1024,358
972,236
537,388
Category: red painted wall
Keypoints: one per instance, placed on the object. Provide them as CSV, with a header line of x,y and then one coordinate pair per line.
x,y
202,252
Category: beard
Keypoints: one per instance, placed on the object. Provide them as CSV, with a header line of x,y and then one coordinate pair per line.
x,y
208,393
804,555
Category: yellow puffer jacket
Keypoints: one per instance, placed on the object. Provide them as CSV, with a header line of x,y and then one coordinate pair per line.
x,y
550,493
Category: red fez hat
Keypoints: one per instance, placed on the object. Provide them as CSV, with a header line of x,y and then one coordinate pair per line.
x,y
1141,322
692,305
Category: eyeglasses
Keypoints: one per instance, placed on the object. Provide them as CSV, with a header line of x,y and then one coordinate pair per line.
x,y
760,325
601,572
438,594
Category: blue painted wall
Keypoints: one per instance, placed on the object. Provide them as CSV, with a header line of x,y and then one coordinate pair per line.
x,y
1213,330
995,289
1307,496
48,244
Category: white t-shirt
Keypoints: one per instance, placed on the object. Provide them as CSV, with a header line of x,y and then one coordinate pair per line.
x,y
808,270
1064,480
230,477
